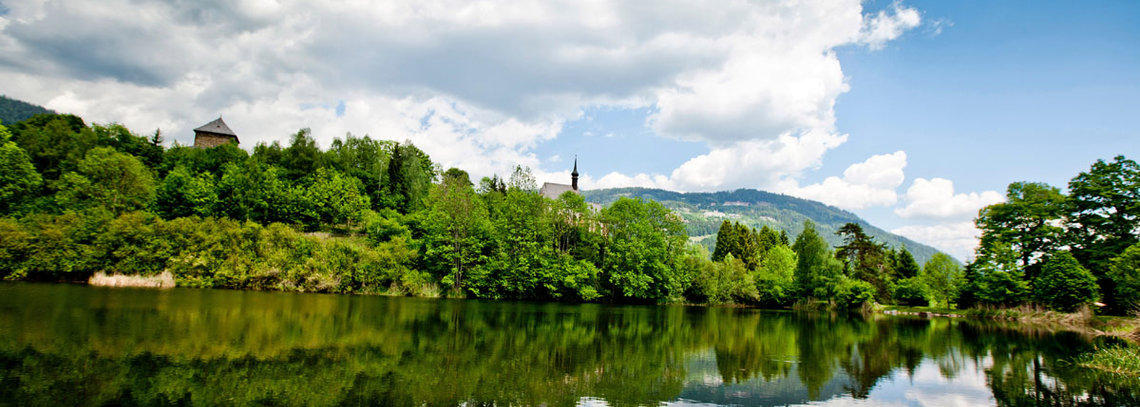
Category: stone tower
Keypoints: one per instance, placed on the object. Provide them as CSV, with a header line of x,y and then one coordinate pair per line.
x,y
214,134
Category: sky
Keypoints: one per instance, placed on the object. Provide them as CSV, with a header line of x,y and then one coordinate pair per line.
x,y
911,114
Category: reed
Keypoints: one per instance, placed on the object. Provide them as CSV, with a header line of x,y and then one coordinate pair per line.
x,y
1121,359
162,280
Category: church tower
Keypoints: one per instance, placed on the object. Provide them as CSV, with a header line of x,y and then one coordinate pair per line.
x,y
574,175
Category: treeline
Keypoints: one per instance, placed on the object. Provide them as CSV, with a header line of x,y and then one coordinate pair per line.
x,y
377,216
1040,247
1062,250
363,216
369,216
762,267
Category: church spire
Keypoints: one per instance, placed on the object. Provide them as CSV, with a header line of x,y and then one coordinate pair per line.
x,y
574,175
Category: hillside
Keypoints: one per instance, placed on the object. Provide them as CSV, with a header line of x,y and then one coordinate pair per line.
x,y
12,110
704,212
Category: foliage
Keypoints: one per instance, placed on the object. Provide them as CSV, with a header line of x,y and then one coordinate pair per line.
x,y
456,227
851,293
202,252
336,198
1096,223
866,260
726,281
302,157
262,193
12,110
939,276
55,143
1064,285
1002,288
904,264
389,220
410,174
184,194
968,286
911,292
775,280
1125,272
116,181
642,240
817,270
1121,359
19,180
1104,217
1027,223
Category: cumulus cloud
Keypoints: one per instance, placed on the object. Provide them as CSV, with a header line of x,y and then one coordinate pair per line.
x,y
959,239
886,26
476,84
935,199
945,218
869,183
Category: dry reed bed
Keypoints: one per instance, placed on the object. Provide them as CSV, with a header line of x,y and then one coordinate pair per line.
x,y
163,280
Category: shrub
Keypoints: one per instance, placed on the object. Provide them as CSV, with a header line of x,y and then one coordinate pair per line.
x,y
851,293
911,292
1002,288
1125,272
1064,285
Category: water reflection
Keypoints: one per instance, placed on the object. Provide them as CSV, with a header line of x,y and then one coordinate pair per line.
x,y
75,345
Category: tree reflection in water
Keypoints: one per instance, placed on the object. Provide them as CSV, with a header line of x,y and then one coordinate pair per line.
x,y
74,345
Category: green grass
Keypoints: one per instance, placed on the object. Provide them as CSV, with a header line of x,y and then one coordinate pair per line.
x,y
1122,359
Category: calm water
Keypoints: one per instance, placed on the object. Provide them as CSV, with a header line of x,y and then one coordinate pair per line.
x,y
77,345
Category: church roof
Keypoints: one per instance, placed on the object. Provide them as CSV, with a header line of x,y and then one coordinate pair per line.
x,y
553,191
216,127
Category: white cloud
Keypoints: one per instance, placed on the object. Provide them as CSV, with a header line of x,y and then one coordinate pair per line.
x,y
869,183
959,239
935,199
477,85
886,26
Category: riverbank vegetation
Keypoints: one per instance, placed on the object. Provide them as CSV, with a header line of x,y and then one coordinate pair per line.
x,y
377,216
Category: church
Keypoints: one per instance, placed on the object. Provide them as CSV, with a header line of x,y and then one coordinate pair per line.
x,y
552,190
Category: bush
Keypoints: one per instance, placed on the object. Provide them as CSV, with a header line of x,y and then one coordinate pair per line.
x,y
911,292
850,293
1064,285
727,281
1125,272
1002,288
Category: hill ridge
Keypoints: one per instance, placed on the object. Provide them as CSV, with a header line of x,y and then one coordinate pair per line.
x,y
14,110
703,213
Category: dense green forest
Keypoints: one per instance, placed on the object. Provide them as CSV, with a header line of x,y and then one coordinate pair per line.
x,y
703,213
377,216
12,110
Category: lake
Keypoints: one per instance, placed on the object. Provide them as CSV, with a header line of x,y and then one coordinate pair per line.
x,y
76,345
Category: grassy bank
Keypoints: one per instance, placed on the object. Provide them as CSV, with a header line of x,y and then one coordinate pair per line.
x,y
1084,320
1123,359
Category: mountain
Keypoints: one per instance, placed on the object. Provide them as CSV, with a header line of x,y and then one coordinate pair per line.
x,y
703,213
12,110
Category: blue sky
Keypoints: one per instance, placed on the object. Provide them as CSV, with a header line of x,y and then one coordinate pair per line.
x,y
912,114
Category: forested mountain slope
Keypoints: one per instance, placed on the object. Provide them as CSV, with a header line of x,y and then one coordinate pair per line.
x,y
704,211
12,110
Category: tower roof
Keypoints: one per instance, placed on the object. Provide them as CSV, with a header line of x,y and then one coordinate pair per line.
x,y
216,127
575,172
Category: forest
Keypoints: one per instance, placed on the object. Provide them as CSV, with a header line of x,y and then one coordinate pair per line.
x,y
379,217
